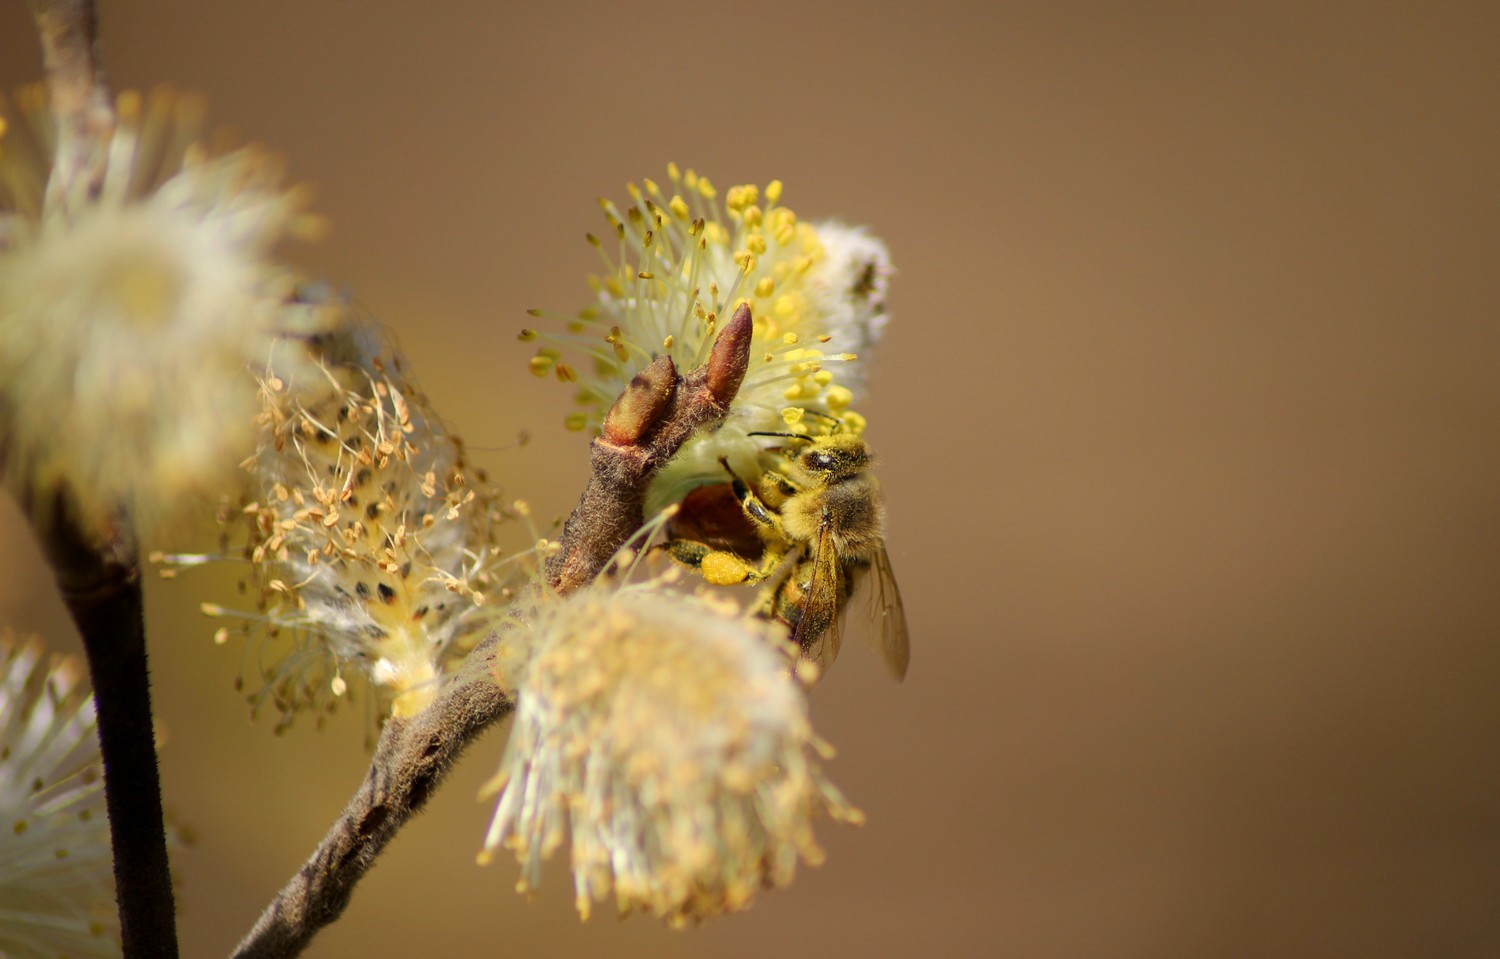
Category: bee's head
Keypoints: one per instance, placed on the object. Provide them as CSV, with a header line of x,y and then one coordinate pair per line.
x,y
834,456
828,457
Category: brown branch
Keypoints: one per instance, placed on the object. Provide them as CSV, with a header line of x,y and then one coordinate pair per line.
x,y
77,91
411,759
650,421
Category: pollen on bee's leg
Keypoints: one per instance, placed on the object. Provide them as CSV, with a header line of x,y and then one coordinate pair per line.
x,y
726,569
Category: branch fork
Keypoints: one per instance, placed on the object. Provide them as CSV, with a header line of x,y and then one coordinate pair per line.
x,y
648,424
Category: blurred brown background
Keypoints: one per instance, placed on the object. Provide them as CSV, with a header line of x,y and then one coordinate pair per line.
x,y
1188,419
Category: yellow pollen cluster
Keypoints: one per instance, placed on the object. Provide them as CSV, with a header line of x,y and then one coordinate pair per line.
x,y
133,310
684,261
662,733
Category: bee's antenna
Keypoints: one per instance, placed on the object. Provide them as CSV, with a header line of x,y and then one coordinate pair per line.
x,y
832,419
790,436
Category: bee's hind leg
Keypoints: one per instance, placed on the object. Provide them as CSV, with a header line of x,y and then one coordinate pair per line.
x,y
717,566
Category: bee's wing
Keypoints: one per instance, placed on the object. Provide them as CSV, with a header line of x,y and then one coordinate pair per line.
x,y
893,644
821,604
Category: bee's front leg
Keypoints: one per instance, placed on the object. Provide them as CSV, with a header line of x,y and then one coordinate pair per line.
x,y
767,521
776,489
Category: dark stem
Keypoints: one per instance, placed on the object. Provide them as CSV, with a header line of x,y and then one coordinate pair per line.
x,y
650,421
102,588
98,571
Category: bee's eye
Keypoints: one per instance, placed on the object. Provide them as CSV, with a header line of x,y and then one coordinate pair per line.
x,y
819,460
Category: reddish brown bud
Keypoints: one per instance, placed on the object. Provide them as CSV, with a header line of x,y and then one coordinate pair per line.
x,y
641,403
730,357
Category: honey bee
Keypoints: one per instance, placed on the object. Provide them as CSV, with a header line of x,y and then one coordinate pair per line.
x,y
821,524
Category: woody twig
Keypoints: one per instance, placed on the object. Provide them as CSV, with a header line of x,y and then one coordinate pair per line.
x,y
650,421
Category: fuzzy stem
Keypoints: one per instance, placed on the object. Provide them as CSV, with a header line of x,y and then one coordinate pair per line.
x,y
645,428
649,423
